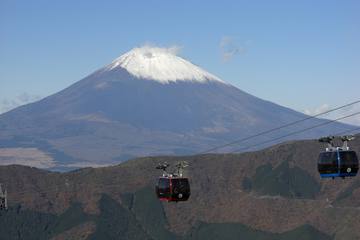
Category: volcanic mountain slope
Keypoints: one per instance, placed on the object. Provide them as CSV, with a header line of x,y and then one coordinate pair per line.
x,y
270,194
147,102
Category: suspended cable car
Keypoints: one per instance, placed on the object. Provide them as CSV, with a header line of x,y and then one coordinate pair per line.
x,y
173,187
337,161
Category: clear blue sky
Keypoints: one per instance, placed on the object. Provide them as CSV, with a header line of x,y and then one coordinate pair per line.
x,y
300,54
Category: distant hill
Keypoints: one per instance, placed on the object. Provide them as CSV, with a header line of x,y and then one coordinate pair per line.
x,y
274,193
148,102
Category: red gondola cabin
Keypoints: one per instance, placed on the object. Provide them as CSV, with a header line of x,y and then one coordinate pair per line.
x,y
173,189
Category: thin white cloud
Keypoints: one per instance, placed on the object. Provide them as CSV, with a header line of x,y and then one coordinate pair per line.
x,y
322,108
229,48
173,49
24,98
355,120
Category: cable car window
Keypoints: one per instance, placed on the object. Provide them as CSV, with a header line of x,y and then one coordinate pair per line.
x,y
180,185
328,162
328,158
164,186
348,158
180,189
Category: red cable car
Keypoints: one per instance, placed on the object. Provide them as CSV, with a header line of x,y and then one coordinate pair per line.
x,y
172,187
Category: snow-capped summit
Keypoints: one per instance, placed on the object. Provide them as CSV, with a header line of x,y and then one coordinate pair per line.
x,y
160,64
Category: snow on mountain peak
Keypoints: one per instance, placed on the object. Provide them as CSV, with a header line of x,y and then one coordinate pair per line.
x,y
160,64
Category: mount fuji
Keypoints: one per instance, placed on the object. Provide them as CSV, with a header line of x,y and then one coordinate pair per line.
x,y
148,101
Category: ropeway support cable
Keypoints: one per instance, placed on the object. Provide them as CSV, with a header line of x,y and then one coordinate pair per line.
x,y
296,132
276,128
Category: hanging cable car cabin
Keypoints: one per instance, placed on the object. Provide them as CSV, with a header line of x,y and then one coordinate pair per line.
x,y
337,161
172,187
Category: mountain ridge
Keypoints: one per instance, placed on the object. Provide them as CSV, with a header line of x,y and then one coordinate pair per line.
x,y
228,192
112,116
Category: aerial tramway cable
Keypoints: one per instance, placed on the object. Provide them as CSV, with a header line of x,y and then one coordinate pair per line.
x,y
276,128
297,132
